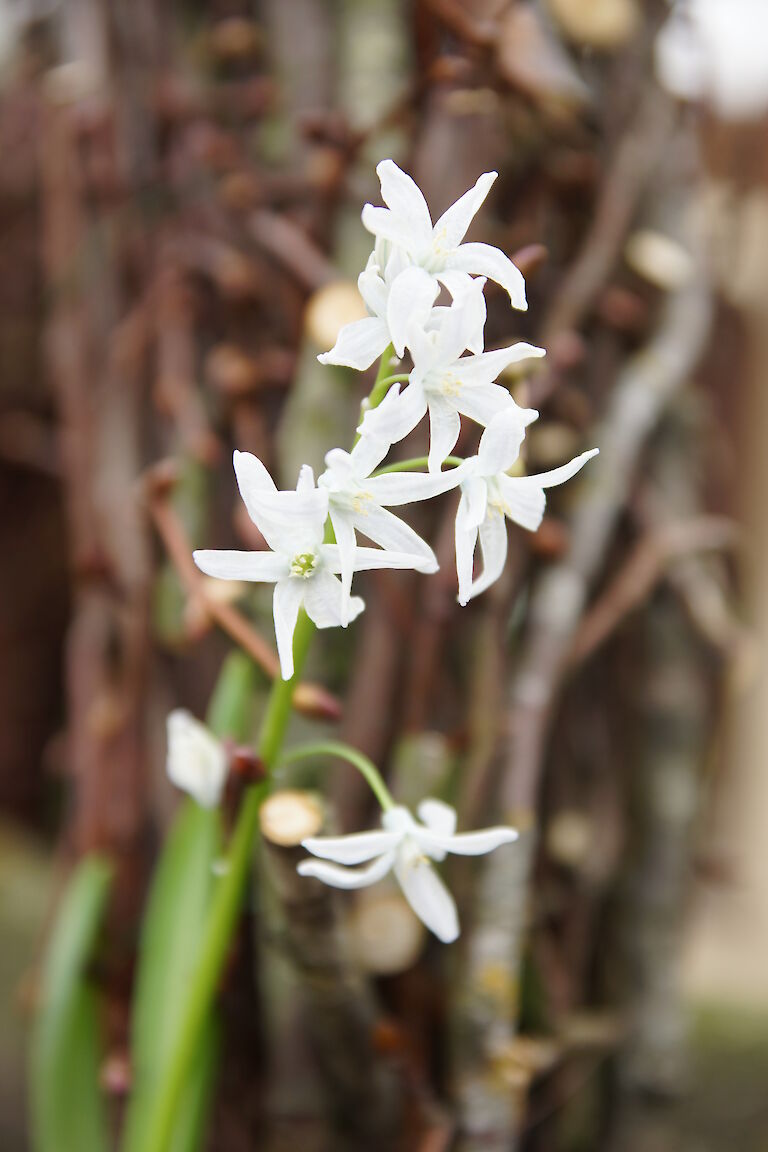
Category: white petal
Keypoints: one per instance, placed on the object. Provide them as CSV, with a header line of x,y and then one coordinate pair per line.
x,y
323,602
426,893
393,534
368,453
358,344
344,531
473,508
385,225
484,260
196,761
354,849
493,545
438,816
452,226
367,559
339,877
466,542
252,477
397,488
306,481
560,475
286,603
458,283
444,429
393,421
411,296
262,567
466,843
404,197
500,443
462,324
373,288
481,402
523,503
484,368
292,522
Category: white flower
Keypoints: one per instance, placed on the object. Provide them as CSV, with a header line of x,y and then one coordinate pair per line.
x,y
407,224
302,567
716,50
358,502
445,383
196,761
488,495
408,847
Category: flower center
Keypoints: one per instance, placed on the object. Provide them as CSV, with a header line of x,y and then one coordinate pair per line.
x,y
304,565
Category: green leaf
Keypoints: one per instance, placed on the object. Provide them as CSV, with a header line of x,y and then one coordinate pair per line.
x,y
68,1108
231,708
170,940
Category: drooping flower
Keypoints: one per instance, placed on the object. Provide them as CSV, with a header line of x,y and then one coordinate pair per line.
x,y
407,225
489,496
302,567
715,51
196,761
407,847
445,383
358,501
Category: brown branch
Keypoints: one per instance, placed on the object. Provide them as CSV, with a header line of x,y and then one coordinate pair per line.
x,y
293,248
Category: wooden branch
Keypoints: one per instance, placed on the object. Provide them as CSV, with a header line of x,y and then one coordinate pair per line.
x,y
485,1021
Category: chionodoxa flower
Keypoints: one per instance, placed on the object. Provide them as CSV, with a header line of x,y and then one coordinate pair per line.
x,y
196,762
407,847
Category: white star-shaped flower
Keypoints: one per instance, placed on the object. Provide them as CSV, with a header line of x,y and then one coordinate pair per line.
x,y
408,847
488,495
302,567
358,501
196,761
407,225
445,383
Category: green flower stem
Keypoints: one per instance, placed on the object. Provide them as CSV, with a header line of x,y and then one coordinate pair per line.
x,y
381,384
225,905
364,766
417,464
227,898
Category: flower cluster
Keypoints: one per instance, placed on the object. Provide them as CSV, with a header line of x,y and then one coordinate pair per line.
x,y
312,532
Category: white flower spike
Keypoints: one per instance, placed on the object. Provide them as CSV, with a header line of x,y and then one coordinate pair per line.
x,y
445,383
302,567
407,225
196,761
489,495
408,847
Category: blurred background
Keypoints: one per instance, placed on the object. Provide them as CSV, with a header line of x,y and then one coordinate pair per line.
x,y
180,195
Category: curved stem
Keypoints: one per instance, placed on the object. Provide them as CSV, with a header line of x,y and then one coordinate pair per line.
x,y
381,384
346,752
415,465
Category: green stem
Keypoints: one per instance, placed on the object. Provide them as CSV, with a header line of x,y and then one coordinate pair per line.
x,y
225,905
357,759
381,384
416,465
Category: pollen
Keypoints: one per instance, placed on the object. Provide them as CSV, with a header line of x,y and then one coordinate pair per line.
x,y
303,565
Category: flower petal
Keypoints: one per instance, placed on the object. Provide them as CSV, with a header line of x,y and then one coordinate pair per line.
x,y
292,522
252,479
367,454
394,535
338,877
466,542
392,421
354,849
466,843
373,288
500,443
358,344
196,761
367,559
461,325
523,503
426,893
324,603
411,296
286,603
560,475
452,226
493,545
482,402
262,567
403,196
344,531
385,225
485,260
444,429
397,488
438,816
487,366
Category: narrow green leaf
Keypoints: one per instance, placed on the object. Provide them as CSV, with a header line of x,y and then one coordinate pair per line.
x,y
231,708
68,1108
170,940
